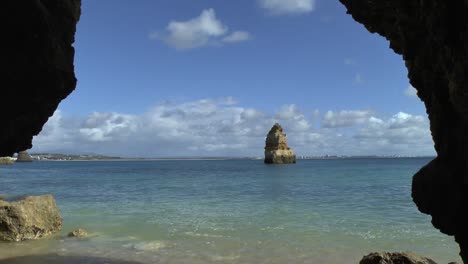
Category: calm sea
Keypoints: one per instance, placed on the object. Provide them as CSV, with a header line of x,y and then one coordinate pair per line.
x,y
230,211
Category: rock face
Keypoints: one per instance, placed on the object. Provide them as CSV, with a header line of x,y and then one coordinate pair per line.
x,y
432,36
24,156
276,147
30,218
37,58
395,258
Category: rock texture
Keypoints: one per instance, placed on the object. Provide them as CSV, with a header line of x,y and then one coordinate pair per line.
x,y
37,62
78,233
23,156
432,36
395,258
6,161
30,218
276,147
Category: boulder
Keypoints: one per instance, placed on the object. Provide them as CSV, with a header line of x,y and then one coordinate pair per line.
x,y
32,217
79,233
395,258
276,147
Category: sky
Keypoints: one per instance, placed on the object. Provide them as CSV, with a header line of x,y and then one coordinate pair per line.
x,y
203,78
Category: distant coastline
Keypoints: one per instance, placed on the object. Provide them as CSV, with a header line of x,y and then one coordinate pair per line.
x,y
96,157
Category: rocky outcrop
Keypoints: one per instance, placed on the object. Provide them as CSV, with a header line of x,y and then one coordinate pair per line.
x,y
432,36
23,156
395,258
30,218
37,62
276,147
78,233
6,161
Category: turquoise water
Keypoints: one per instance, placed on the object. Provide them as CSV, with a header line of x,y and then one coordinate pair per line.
x,y
231,211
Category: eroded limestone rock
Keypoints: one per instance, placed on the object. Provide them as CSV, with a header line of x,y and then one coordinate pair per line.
x,y
276,147
32,217
6,161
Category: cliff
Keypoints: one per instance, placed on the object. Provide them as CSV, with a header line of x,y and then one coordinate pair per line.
x,y
276,147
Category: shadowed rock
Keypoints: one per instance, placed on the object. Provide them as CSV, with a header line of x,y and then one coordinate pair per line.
x,y
33,217
432,36
395,258
37,61
56,259
276,147
23,156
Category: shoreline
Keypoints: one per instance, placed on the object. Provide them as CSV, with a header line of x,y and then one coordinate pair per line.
x,y
221,159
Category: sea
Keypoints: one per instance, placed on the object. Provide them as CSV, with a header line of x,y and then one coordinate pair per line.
x,y
330,211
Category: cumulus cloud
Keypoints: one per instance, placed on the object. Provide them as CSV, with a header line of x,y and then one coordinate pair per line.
x,y
204,30
221,127
345,118
358,79
411,91
237,36
281,7
401,130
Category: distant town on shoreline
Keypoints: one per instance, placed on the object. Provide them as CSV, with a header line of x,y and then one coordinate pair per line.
x,y
97,157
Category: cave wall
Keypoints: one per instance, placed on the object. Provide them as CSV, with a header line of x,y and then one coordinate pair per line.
x,y
432,37
37,61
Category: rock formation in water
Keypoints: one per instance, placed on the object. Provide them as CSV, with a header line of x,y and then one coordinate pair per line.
x,y
23,156
432,36
395,258
6,161
78,233
276,147
37,58
30,218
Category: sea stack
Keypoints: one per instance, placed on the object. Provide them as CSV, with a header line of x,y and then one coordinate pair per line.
x,y
276,147
23,156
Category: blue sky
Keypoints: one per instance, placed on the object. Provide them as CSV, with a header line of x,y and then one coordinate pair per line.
x,y
305,63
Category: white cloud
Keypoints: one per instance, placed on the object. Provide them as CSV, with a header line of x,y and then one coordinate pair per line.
x,y
281,7
401,129
204,30
411,91
237,36
221,127
108,126
358,79
345,118
349,61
